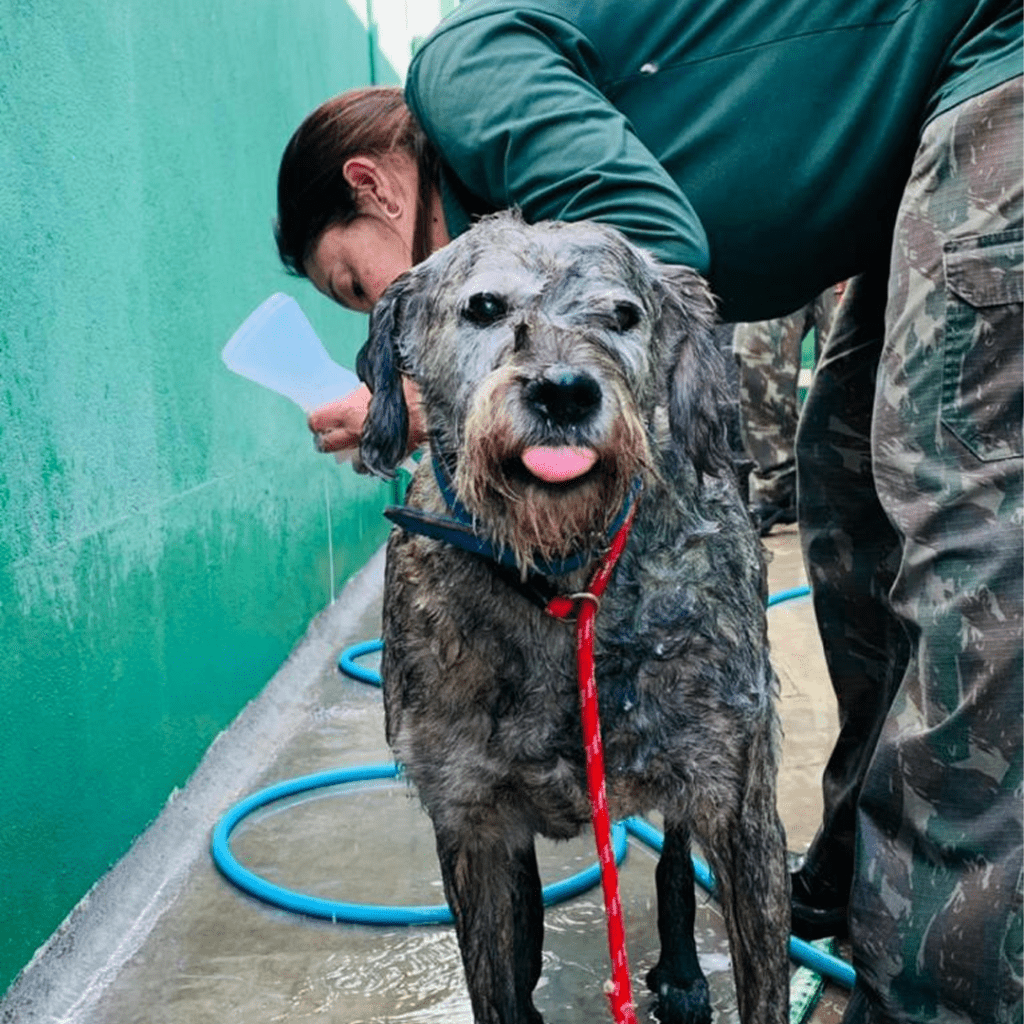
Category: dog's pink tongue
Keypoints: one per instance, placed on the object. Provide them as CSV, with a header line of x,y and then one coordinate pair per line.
x,y
556,465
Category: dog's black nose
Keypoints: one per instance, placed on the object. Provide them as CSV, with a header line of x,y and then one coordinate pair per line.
x,y
564,397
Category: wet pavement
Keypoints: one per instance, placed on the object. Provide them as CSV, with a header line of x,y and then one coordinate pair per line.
x,y
199,950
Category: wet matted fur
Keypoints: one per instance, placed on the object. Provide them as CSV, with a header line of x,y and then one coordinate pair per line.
x,y
567,335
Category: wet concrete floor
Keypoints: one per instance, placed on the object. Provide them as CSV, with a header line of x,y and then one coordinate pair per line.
x,y
210,954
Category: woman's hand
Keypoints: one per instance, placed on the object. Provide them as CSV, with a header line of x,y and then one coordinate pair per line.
x,y
338,426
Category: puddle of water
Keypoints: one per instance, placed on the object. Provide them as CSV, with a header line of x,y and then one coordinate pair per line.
x,y
384,854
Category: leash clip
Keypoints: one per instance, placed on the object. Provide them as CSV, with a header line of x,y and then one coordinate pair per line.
x,y
586,595
563,605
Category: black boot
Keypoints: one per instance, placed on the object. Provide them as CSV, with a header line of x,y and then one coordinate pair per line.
x,y
819,905
766,515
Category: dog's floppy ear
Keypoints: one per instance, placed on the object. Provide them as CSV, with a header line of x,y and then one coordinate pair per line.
x,y
379,364
697,372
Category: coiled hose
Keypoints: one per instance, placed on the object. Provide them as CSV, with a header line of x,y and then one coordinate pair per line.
x,y
816,960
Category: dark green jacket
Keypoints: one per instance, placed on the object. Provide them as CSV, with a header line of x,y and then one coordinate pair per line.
x,y
764,142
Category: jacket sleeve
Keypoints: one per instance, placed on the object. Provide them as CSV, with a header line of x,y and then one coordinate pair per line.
x,y
512,102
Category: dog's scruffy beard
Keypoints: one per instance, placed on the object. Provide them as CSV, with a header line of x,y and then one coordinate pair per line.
x,y
540,521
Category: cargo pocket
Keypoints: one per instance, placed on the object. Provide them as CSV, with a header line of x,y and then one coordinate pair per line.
x,y
983,355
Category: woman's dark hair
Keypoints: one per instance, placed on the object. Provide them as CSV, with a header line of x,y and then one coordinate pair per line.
x,y
312,193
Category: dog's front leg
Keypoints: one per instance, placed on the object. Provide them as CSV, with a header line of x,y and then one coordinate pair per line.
x,y
677,978
495,895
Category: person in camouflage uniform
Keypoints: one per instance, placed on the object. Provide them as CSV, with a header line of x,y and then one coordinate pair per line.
x,y
910,506
768,355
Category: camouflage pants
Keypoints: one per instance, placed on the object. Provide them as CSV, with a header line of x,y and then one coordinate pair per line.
x,y
768,356
910,505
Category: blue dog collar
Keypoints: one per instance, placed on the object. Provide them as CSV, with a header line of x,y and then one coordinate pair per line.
x,y
458,528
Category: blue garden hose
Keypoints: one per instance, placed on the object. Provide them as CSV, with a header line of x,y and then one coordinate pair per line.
x,y
375,914
360,913
801,952
347,661
787,595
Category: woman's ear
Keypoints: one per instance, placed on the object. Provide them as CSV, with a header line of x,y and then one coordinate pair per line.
x,y
367,178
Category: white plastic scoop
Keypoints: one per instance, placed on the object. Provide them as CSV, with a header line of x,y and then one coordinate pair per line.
x,y
277,347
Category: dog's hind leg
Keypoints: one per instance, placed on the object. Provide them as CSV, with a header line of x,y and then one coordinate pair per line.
x,y
495,895
748,856
677,978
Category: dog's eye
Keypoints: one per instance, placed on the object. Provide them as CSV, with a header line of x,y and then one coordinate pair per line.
x,y
625,316
485,308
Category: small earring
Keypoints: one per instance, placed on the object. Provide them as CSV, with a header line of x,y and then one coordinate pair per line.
x,y
392,209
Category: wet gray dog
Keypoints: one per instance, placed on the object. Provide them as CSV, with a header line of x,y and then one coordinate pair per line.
x,y
562,372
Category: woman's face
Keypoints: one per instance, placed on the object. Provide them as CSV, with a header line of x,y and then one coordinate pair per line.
x,y
353,263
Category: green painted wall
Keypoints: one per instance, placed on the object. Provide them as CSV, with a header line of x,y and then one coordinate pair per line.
x,y
164,535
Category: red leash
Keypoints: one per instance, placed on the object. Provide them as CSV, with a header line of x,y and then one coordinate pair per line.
x,y
586,605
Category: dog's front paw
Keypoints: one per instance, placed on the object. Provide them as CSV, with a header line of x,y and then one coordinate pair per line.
x,y
679,1005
